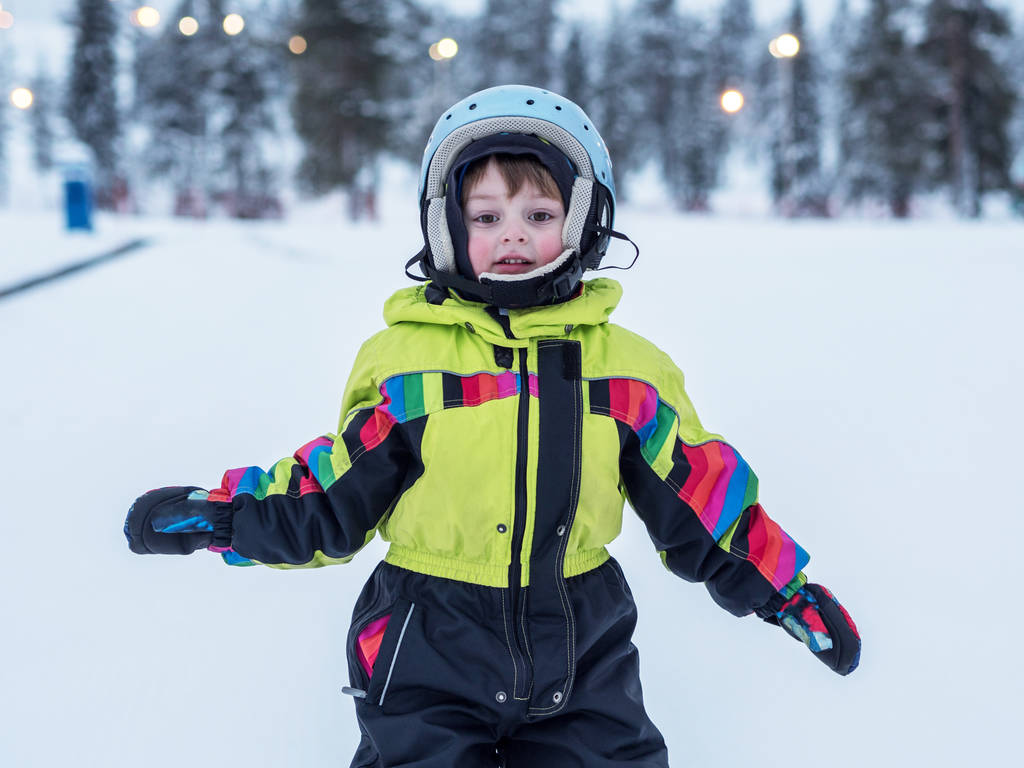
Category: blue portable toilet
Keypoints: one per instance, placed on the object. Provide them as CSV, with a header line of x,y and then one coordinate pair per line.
x,y
78,197
1017,183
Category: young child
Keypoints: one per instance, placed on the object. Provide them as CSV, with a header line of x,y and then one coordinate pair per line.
x,y
491,434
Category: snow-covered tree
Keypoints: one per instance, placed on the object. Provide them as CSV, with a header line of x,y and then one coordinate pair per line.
x,y
173,99
731,46
208,102
575,75
797,184
972,100
733,53
693,141
653,70
421,87
246,76
1014,55
679,123
342,86
41,116
91,104
835,101
618,104
881,148
514,43
3,133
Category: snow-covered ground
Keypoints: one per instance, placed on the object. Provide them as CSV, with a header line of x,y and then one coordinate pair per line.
x,y
871,373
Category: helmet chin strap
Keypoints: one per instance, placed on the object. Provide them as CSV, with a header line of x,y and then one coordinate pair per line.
x,y
607,232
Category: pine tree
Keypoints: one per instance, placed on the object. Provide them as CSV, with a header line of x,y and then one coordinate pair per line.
x,y
972,100
1014,54
173,99
514,42
679,125
242,83
881,148
91,104
835,101
576,83
694,139
421,87
732,57
731,48
657,33
3,129
343,83
797,184
41,116
3,132
618,105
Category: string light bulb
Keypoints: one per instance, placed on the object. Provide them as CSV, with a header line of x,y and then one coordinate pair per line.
x,y
233,24
22,98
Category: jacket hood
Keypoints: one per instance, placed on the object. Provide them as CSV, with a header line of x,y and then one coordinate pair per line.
x,y
593,306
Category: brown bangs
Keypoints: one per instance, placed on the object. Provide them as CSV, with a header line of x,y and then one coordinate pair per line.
x,y
516,170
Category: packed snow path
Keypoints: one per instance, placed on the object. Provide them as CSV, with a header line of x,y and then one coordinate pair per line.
x,y
870,373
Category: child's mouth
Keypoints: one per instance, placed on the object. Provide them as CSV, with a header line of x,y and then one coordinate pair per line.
x,y
512,264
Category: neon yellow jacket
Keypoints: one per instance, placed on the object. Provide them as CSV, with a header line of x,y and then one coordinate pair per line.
x,y
496,448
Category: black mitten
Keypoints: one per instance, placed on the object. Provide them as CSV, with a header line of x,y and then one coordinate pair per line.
x,y
177,521
814,617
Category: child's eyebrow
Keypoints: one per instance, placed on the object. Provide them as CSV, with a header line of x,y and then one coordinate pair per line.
x,y
538,195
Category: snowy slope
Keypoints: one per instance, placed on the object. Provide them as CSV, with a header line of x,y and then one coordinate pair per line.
x,y
870,373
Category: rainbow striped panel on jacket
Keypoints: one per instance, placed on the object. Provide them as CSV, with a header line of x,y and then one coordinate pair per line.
x,y
711,478
317,464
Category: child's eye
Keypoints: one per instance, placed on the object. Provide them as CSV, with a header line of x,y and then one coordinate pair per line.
x,y
485,218
541,216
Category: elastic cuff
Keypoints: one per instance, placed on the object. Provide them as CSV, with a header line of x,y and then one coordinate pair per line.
x,y
772,607
222,526
780,598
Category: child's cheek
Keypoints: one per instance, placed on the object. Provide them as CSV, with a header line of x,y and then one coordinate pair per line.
x,y
478,254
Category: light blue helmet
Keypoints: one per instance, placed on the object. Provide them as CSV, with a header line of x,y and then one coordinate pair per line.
x,y
563,129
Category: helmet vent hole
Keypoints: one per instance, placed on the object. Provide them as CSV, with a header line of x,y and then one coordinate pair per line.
x,y
472,106
558,108
586,127
449,117
530,102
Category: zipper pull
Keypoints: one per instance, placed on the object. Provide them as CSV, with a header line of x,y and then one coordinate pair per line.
x,y
355,692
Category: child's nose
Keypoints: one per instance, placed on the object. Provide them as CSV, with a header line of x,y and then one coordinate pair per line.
x,y
514,233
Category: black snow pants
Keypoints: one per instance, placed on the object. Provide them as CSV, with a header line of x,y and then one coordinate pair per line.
x,y
463,678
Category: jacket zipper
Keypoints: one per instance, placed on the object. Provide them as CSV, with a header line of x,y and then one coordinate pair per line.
x,y
519,520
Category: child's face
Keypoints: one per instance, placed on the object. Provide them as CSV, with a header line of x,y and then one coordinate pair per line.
x,y
511,235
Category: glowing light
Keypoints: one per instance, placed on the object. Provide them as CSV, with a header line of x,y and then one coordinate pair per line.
x,y
146,16
6,19
784,46
22,98
188,26
297,44
447,48
732,102
233,24
434,53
